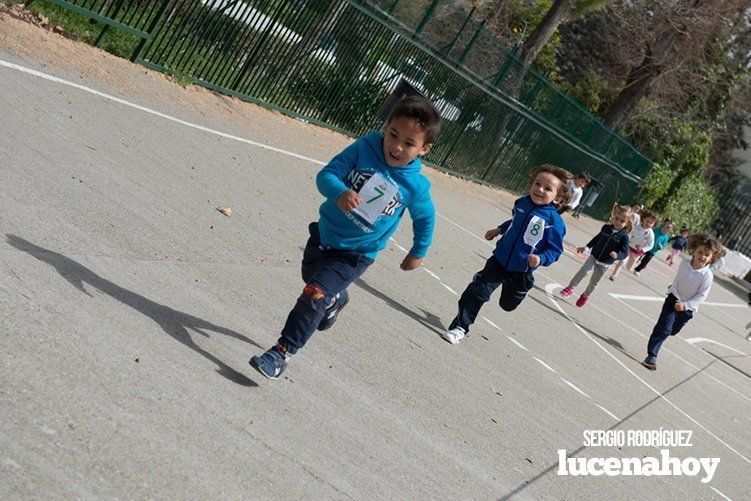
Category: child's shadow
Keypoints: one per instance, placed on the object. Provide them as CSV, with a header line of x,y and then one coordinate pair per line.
x,y
427,319
173,322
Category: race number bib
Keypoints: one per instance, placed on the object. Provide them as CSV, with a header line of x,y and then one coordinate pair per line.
x,y
534,232
376,194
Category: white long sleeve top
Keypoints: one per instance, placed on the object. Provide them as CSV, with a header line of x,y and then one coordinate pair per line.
x,y
641,238
576,194
691,286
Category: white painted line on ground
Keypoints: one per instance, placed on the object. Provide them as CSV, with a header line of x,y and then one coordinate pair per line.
x,y
118,100
608,412
694,340
545,365
548,290
661,299
517,343
721,494
431,273
452,291
574,386
466,230
491,323
624,303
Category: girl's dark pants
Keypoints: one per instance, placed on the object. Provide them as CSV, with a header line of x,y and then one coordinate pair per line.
x,y
669,324
516,285
326,273
645,259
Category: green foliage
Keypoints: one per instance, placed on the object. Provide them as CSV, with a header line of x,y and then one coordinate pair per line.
x,y
79,27
588,90
694,204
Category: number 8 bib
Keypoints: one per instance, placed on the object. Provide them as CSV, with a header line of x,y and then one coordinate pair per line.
x,y
534,232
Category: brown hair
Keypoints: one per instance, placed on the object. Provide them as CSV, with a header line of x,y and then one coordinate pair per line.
x,y
584,175
420,110
564,191
648,214
626,211
704,240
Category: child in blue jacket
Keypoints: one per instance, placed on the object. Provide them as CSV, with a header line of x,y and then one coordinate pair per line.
x,y
532,237
367,188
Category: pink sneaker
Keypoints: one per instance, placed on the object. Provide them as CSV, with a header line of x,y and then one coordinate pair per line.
x,y
567,291
582,300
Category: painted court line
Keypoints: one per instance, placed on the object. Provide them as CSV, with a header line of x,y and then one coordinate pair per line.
x,y
608,412
574,387
118,100
548,290
545,365
721,494
661,299
694,340
491,323
517,343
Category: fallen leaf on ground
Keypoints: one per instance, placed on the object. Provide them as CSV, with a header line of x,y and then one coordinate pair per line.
x,y
225,210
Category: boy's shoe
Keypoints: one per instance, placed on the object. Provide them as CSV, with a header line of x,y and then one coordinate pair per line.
x,y
331,313
611,278
582,300
567,291
748,338
636,273
650,363
454,335
271,364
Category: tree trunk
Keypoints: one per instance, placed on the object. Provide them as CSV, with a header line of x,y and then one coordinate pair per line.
x,y
559,12
640,79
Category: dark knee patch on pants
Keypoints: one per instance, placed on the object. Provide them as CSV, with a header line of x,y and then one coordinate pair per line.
x,y
314,292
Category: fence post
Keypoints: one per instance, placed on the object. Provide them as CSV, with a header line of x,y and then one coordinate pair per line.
x,y
450,46
392,7
137,52
471,43
425,19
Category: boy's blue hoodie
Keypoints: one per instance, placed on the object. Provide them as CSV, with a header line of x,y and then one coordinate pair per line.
x,y
532,229
349,170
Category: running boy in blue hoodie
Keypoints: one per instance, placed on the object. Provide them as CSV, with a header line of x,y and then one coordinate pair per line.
x,y
367,188
533,237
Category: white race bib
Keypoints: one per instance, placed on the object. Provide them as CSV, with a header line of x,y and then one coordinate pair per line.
x,y
376,194
534,231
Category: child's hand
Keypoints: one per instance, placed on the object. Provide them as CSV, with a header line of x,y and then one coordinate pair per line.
x,y
349,200
533,260
614,254
679,306
411,263
491,234
580,250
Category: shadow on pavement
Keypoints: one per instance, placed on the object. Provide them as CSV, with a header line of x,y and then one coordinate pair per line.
x,y
554,466
173,322
427,319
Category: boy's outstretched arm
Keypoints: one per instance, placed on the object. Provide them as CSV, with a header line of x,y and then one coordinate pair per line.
x,y
422,212
330,179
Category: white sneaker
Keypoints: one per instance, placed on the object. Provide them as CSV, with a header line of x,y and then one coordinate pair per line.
x,y
636,273
454,335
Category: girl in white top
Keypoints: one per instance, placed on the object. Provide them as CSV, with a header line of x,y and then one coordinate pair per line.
x,y
640,240
686,293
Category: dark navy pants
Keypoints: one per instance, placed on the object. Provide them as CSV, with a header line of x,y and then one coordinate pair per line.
x,y
516,285
669,324
645,259
326,273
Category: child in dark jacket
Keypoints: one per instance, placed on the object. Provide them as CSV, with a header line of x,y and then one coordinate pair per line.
x,y
367,187
607,246
679,242
532,237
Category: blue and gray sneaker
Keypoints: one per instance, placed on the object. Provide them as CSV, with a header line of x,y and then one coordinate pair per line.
x,y
650,363
332,311
272,363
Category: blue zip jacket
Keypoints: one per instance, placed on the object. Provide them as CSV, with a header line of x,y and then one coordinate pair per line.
x,y
661,240
349,170
607,241
532,229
